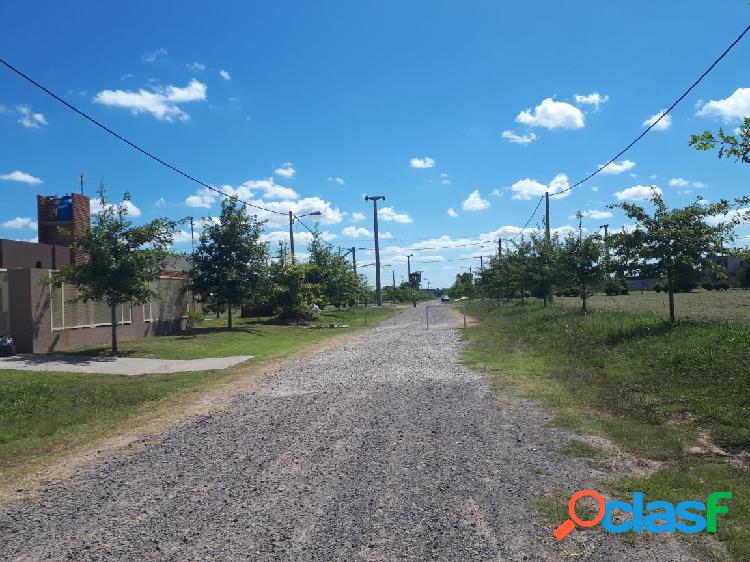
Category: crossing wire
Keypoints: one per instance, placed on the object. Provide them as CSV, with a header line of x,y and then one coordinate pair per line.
x,y
131,143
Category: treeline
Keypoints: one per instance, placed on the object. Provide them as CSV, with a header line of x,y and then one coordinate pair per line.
x,y
674,245
232,267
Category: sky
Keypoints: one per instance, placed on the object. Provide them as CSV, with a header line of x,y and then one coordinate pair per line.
x,y
460,113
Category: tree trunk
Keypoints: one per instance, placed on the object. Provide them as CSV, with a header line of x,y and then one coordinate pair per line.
x,y
229,316
584,310
671,304
113,319
670,280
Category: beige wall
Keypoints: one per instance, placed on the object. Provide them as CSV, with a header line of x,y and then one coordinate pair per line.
x,y
31,320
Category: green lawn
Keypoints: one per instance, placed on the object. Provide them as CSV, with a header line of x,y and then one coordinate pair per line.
x,y
44,415
732,305
650,386
261,337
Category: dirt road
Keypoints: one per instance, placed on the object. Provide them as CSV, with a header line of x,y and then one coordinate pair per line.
x,y
383,448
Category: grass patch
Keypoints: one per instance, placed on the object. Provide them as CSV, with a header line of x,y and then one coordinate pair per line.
x,y
648,385
578,448
260,337
44,415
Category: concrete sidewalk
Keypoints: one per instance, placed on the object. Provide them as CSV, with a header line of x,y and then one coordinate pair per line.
x,y
130,366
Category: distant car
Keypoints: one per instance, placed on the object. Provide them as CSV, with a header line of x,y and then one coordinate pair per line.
x,y
445,298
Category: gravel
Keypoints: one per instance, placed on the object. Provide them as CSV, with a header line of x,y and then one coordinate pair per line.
x,y
382,448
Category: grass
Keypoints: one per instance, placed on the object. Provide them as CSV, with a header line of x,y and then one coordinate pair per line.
x,y
650,386
732,305
45,415
260,337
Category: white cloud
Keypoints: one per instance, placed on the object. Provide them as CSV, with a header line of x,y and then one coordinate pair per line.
x,y
29,119
445,179
452,213
203,198
474,202
196,66
594,99
22,177
356,217
678,182
161,102
389,214
733,108
594,188
155,55
160,202
594,215
224,74
270,189
698,184
181,237
285,171
300,238
356,232
618,167
19,222
496,193
638,193
339,181
552,114
422,163
663,125
518,139
526,189
742,215
133,211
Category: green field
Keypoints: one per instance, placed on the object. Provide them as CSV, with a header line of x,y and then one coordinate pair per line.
x,y
732,305
654,388
45,415
260,337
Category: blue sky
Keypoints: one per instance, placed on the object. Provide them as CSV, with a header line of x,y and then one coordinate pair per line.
x,y
310,106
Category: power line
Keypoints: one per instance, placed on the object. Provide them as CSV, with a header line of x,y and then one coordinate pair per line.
x,y
662,116
129,142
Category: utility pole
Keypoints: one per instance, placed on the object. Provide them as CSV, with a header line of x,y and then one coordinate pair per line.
x,y
393,271
481,263
291,234
354,259
192,234
606,249
81,178
499,247
547,236
378,288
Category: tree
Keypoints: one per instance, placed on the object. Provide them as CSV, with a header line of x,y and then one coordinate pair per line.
x,y
229,264
676,240
730,146
293,292
334,274
121,262
581,262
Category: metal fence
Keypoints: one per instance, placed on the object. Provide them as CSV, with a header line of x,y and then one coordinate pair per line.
x,y
69,313
4,303
66,312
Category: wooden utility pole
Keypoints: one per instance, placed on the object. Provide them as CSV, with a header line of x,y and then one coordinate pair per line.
x,y
547,235
354,259
378,288
499,247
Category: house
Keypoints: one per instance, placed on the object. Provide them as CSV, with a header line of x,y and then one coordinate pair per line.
x,y
44,318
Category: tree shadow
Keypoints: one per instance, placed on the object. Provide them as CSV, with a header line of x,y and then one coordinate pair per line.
x,y
621,336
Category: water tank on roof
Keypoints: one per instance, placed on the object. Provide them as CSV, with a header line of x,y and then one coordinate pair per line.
x,y
65,208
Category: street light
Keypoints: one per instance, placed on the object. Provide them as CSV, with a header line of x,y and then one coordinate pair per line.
x,y
292,216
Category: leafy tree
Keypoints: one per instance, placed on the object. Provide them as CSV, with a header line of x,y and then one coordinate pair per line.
x,y
122,261
730,146
581,262
334,275
229,264
293,292
675,240
544,264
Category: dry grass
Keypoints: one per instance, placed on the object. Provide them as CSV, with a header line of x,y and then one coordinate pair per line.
x,y
732,305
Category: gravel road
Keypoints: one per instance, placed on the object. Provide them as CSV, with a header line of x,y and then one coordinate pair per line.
x,y
382,448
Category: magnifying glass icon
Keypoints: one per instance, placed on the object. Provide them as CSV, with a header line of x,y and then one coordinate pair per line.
x,y
569,524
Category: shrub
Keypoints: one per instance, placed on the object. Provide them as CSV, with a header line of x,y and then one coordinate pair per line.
x,y
707,285
657,287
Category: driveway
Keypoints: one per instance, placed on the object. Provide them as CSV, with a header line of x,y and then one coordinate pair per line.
x,y
382,448
129,366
